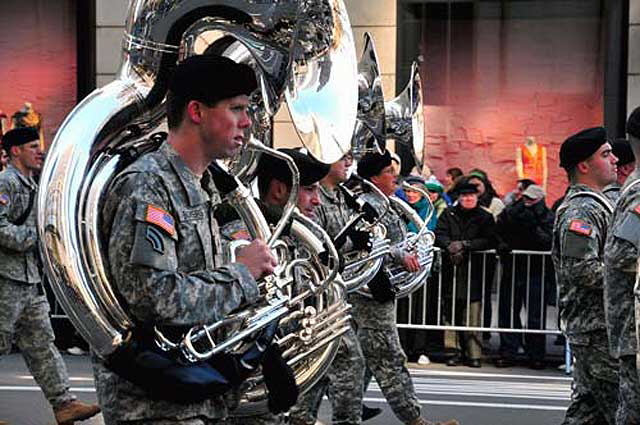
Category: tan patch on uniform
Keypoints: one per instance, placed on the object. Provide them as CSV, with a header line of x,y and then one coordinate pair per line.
x,y
241,234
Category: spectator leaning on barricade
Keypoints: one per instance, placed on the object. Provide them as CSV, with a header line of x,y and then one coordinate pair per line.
x,y
579,234
527,224
516,193
620,262
462,229
625,166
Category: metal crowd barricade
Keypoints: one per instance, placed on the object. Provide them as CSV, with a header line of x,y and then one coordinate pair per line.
x,y
529,277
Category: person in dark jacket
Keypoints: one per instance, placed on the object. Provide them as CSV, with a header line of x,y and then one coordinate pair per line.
x,y
461,230
527,225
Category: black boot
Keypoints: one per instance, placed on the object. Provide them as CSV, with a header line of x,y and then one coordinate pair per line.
x,y
369,412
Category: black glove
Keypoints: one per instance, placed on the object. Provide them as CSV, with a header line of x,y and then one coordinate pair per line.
x,y
381,288
361,240
503,249
280,381
370,213
455,247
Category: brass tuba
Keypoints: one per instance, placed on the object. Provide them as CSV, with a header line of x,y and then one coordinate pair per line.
x,y
112,124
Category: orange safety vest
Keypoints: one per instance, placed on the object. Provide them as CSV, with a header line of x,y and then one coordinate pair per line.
x,y
533,164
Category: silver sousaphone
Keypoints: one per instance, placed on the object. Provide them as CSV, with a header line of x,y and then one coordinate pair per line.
x,y
113,121
404,116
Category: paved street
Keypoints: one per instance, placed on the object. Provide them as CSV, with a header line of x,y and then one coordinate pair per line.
x,y
485,396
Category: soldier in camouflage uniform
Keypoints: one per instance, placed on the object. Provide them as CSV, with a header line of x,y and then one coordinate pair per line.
x,y
344,381
163,243
24,310
579,234
626,164
274,183
375,318
620,260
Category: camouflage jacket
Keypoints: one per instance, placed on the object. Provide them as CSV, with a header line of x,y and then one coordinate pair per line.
x,y
612,192
620,260
164,259
367,312
18,243
579,233
333,213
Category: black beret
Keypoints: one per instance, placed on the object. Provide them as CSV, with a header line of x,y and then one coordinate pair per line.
x,y
466,188
211,78
19,136
581,146
633,123
622,150
372,164
311,170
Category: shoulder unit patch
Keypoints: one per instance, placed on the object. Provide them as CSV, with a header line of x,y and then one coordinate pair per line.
x,y
4,199
160,218
580,227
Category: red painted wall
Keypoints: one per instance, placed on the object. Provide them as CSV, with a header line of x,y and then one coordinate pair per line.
x,y
38,58
493,82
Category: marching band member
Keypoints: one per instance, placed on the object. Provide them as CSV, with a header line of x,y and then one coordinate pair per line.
x,y
164,253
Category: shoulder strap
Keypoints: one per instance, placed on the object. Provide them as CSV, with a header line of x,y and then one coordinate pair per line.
x,y
603,201
626,189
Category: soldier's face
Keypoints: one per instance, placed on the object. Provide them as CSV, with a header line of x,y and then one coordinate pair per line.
x,y
308,199
338,171
602,165
223,126
29,155
387,180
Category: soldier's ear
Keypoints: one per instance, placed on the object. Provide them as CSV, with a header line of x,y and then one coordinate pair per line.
x,y
582,167
194,111
279,191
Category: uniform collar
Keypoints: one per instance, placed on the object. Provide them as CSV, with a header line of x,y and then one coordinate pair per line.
x,y
27,181
190,182
330,195
579,187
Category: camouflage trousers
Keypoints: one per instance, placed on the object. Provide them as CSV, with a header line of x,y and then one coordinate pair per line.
x,y
388,364
594,398
343,384
629,394
192,421
24,318
264,419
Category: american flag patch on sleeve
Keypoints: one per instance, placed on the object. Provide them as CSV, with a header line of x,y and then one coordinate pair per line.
x,y
160,218
580,227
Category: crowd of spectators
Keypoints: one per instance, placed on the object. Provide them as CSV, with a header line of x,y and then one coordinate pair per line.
x,y
469,217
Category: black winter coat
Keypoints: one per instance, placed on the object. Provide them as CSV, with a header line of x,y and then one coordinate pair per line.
x,y
527,228
475,226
